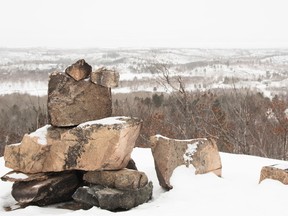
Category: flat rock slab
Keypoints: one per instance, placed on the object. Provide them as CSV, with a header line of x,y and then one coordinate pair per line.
x,y
120,179
104,144
277,172
58,187
72,102
113,199
169,153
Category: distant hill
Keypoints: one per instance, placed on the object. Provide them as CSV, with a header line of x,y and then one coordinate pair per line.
x,y
264,70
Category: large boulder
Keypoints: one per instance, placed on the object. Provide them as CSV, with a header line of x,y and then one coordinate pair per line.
x,y
53,188
105,77
71,103
104,144
79,70
119,179
113,199
277,172
169,153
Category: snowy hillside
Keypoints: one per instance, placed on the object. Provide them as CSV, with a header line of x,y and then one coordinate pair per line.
x,y
140,69
236,193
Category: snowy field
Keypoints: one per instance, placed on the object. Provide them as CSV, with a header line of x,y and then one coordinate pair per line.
x,y
36,88
236,193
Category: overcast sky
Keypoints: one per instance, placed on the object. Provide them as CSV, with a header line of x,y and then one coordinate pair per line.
x,y
144,23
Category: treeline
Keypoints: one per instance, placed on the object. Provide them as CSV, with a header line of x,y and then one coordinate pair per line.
x,y
20,114
241,121
24,75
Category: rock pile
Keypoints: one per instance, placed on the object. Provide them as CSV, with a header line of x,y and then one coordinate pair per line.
x,y
83,152
112,190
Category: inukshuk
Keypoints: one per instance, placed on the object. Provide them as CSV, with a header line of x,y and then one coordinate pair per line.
x,y
82,139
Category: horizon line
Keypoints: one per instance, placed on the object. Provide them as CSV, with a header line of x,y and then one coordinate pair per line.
x,y
143,48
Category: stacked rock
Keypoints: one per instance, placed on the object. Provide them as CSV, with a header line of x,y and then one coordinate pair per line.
x,y
112,190
83,148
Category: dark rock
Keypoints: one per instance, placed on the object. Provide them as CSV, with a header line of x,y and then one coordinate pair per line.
x,y
113,199
79,70
59,187
73,205
120,179
131,165
71,103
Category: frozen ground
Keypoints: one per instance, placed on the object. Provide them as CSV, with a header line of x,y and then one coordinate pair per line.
x,y
236,193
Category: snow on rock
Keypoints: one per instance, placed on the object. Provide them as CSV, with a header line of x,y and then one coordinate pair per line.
x,y
191,149
40,134
17,175
105,121
158,136
16,144
281,166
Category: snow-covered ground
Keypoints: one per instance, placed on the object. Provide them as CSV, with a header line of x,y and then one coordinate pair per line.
x,y
236,193
36,88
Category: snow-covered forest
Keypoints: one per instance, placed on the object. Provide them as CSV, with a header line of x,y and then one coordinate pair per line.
x,y
263,70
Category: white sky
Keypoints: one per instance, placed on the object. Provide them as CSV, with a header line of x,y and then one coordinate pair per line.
x,y
144,23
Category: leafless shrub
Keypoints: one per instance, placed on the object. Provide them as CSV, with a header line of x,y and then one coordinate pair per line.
x,y
242,121
20,114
